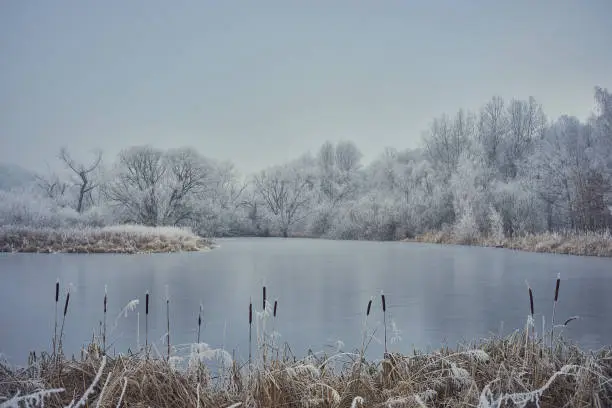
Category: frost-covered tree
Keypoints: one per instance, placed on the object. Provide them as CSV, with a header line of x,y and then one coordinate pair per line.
x,y
82,177
526,124
492,128
446,141
286,191
153,187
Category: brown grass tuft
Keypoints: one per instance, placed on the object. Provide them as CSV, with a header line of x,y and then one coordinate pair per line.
x,y
126,239
492,371
569,243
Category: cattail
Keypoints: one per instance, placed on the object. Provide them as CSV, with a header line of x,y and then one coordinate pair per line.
x,y
552,328
104,328
531,301
275,305
147,323
168,319
199,322
64,319
57,288
66,304
369,307
384,307
530,317
250,327
264,298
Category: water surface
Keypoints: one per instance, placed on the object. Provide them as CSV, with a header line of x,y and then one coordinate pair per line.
x,y
435,294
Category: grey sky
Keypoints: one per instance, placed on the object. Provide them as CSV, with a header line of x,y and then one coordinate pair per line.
x,y
260,82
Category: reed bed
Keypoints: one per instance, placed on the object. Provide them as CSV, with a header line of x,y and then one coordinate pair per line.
x,y
497,372
569,243
127,239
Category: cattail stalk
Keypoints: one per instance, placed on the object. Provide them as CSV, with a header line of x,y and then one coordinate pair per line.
x,y
168,319
250,328
104,327
552,324
384,307
57,288
64,319
147,324
274,325
365,326
531,309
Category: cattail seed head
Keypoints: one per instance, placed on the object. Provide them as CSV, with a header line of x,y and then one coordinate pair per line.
x,y
250,313
557,287
275,305
147,303
531,300
264,298
67,301
384,304
57,290
369,306
200,316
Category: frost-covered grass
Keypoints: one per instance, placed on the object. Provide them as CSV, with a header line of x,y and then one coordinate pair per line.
x,y
497,372
588,243
111,239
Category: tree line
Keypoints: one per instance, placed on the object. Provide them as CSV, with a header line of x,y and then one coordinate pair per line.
x,y
503,170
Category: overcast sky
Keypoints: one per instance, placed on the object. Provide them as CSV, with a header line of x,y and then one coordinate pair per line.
x,y
260,82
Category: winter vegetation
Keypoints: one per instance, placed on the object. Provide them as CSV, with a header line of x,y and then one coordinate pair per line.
x,y
127,239
498,372
505,175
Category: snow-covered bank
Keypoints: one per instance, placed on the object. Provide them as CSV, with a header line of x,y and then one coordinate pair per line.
x,y
586,244
128,239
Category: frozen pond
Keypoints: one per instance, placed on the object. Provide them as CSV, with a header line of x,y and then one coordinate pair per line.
x,y
435,294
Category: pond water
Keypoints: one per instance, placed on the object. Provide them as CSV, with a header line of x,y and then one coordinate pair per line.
x,y
435,295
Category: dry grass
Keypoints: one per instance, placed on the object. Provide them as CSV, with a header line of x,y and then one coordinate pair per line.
x,y
113,239
499,372
588,244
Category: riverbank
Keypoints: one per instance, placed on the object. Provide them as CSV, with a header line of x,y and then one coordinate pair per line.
x,y
125,239
514,371
584,244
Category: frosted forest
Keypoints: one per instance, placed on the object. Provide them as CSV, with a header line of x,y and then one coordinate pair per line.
x,y
503,171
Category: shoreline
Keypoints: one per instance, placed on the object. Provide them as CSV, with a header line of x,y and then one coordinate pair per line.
x,y
119,239
578,244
